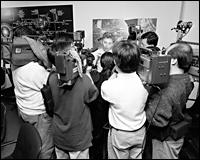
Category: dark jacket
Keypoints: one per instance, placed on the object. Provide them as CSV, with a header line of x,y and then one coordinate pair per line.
x,y
99,107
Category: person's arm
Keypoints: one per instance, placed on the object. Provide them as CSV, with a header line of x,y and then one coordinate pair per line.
x,y
88,70
92,92
105,91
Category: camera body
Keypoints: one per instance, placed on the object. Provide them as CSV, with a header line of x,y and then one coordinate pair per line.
x,y
21,52
154,68
78,39
87,59
6,33
66,68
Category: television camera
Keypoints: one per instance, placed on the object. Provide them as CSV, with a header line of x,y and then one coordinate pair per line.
x,y
184,28
6,33
87,59
79,39
67,69
134,29
154,68
22,54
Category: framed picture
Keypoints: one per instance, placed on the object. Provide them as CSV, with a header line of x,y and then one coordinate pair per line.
x,y
120,28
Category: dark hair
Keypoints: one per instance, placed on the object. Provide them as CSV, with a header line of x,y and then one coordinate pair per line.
x,y
24,30
107,63
127,56
132,37
62,42
183,52
152,38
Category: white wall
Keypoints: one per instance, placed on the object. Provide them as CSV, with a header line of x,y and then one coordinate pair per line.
x,y
191,13
166,12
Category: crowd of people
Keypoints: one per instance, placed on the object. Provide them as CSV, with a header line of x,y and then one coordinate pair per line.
x,y
107,118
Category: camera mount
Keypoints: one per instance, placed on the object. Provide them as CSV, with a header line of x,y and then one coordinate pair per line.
x,y
183,27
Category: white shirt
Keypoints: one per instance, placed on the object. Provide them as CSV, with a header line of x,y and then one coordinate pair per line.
x,y
28,80
127,97
97,55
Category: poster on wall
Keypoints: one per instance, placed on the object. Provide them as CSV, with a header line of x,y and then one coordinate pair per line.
x,y
119,28
44,19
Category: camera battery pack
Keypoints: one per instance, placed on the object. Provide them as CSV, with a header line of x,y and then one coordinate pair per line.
x,y
67,68
21,52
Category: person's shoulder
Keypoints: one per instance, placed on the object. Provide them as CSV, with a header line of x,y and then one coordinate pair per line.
x,y
99,50
85,78
109,83
53,77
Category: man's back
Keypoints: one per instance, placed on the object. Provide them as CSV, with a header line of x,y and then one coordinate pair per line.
x,y
72,121
127,96
28,81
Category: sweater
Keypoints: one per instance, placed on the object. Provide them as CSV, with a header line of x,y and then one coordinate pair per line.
x,y
172,105
72,125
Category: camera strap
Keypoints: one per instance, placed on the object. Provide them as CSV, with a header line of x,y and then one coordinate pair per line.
x,y
47,96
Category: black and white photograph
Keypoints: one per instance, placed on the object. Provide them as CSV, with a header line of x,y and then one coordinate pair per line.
x,y
99,79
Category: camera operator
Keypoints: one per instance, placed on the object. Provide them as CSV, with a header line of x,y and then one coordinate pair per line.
x,y
169,109
127,97
132,37
28,81
149,40
72,125
107,41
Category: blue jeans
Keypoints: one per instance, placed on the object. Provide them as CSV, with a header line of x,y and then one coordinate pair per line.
x,y
42,123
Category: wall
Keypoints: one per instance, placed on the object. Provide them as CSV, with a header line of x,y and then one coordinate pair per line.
x,y
166,12
191,13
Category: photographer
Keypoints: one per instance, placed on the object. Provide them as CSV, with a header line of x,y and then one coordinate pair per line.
x,y
72,125
132,37
167,106
150,40
127,97
28,81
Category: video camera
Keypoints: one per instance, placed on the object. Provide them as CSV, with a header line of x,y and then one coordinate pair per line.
x,y
67,69
79,39
87,59
6,33
154,68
